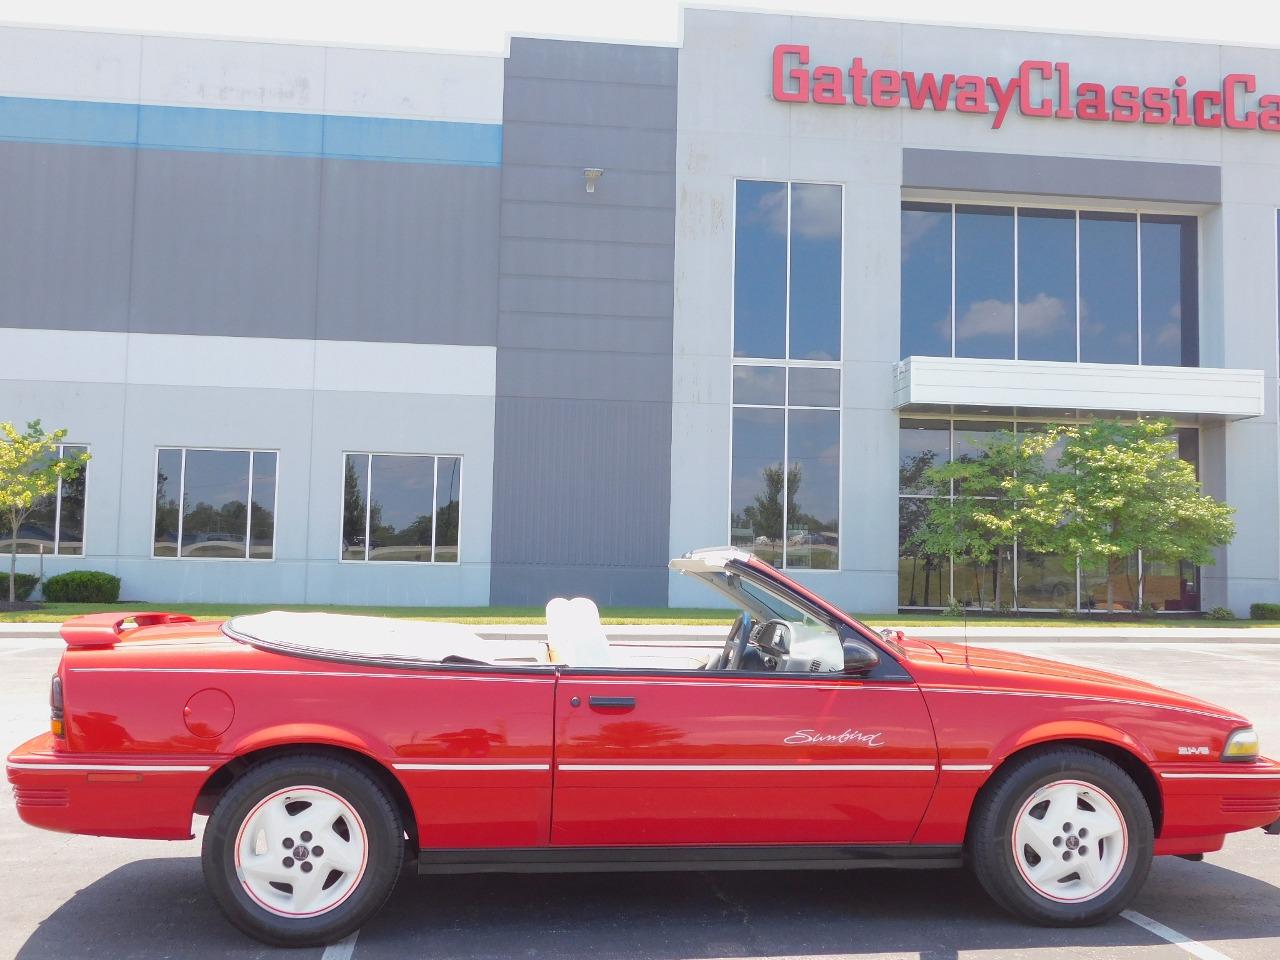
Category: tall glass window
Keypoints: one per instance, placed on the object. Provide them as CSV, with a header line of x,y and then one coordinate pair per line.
x,y
55,524
215,504
1017,578
1048,284
400,507
926,279
785,459
788,242
984,282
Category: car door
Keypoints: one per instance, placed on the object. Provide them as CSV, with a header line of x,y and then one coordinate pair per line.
x,y
695,757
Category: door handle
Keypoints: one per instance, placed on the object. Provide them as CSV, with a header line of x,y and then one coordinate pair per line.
x,y
625,703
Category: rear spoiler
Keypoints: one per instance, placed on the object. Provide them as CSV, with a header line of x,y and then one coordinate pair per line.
x,y
104,629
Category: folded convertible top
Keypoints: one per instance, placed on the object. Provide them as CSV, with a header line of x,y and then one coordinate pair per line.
x,y
355,639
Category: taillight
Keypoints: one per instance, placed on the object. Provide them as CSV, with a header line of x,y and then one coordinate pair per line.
x,y
55,707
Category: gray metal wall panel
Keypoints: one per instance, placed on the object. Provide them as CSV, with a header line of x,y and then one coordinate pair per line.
x,y
578,146
535,331
225,244
559,185
599,104
67,215
407,253
566,373
597,297
583,425
586,493
583,61
238,245
584,221
1061,176
620,261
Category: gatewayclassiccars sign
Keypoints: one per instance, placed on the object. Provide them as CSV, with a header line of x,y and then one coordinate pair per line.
x,y
1039,89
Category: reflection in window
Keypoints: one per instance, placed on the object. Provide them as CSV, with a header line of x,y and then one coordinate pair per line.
x,y
1092,286
921,444
401,507
215,504
757,484
785,483
781,227
816,221
1046,284
1043,581
924,580
926,280
1108,287
55,525
984,282
760,270
1170,291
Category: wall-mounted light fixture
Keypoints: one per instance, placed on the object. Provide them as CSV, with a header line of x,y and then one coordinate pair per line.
x,y
591,175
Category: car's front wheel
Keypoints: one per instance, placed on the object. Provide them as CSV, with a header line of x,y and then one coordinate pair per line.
x,y
1062,837
301,850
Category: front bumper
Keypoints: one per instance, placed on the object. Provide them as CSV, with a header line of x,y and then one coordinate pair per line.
x,y
1204,799
112,796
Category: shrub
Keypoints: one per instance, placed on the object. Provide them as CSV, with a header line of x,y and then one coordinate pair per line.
x,y
82,586
1264,611
954,609
1219,613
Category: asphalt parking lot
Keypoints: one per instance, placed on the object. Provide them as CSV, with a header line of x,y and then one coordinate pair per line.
x,y
65,897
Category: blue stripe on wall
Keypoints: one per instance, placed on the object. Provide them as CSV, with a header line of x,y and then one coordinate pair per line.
x,y
250,131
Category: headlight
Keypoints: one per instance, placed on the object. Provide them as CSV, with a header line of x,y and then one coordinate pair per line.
x,y
1241,745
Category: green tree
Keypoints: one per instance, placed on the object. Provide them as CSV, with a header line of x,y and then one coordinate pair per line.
x,y
30,469
1121,488
1116,489
985,513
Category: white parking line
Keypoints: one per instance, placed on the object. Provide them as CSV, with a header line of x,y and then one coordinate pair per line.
x,y
1193,947
342,950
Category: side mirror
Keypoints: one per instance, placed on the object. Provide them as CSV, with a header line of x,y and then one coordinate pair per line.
x,y
859,657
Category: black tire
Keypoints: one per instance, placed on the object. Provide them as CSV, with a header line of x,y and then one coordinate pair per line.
x,y
371,886
991,837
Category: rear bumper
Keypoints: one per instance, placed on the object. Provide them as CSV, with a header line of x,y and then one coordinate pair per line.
x,y
1206,799
113,796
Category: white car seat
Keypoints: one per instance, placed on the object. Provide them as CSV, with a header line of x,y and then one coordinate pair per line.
x,y
575,636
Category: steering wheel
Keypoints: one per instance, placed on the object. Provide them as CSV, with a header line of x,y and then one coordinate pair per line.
x,y
734,645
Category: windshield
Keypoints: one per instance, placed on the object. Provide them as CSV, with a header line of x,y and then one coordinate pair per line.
x,y
756,599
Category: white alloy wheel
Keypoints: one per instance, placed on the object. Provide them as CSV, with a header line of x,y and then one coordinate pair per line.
x,y
301,852
1070,841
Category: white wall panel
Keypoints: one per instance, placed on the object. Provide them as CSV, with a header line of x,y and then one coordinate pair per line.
x,y
416,86
187,71
1212,392
68,64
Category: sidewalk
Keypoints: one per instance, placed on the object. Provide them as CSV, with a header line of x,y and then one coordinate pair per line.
x,y
975,635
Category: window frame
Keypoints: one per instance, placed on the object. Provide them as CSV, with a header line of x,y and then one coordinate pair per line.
x,y
787,363
1032,203
182,489
435,493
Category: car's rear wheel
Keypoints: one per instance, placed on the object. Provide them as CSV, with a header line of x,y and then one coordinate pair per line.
x,y
1062,837
300,851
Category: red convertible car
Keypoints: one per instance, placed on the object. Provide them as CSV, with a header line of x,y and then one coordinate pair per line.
x,y
326,750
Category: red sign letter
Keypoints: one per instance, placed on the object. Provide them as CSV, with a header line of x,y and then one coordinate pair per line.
x,y
780,92
1203,100
1248,82
1029,67
885,85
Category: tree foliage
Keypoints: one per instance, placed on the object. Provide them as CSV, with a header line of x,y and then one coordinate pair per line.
x,y
30,469
1114,489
